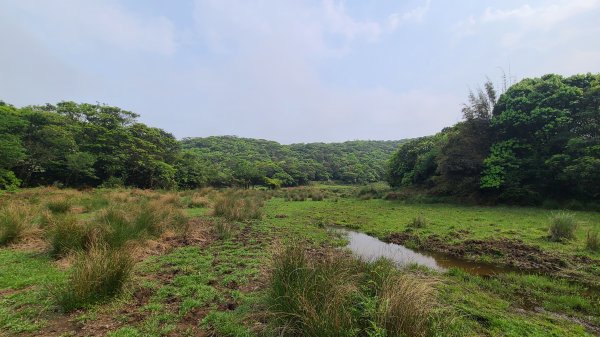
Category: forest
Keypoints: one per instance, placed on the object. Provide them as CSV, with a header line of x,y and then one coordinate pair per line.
x,y
90,145
538,142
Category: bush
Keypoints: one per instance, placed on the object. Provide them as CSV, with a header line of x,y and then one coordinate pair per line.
x,y
562,227
13,221
238,206
592,241
98,274
59,206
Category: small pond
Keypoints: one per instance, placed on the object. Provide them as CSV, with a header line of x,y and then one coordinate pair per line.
x,y
369,248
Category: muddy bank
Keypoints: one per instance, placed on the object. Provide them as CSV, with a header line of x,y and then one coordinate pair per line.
x,y
508,252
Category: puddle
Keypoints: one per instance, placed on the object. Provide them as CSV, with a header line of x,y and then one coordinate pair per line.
x,y
370,248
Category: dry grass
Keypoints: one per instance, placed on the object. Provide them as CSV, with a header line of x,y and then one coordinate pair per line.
x,y
239,206
405,306
13,223
97,274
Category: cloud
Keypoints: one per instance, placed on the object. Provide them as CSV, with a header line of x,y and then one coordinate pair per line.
x,y
88,23
543,26
543,17
267,79
415,15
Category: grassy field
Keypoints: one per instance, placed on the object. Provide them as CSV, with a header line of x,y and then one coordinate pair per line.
x,y
252,263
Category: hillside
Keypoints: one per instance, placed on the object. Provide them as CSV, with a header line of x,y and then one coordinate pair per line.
x,y
251,160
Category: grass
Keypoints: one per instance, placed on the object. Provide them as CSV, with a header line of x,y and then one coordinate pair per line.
x,y
98,274
562,227
592,241
239,206
418,222
337,295
66,234
223,284
12,223
59,206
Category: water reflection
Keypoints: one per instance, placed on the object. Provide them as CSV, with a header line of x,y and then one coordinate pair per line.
x,y
369,248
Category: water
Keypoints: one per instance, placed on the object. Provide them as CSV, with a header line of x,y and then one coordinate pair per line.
x,y
369,248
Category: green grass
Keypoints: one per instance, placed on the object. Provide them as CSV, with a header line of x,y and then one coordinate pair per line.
x,y
25,281
382,218
219,287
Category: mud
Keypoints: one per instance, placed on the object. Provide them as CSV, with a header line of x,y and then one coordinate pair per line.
x,y
508,252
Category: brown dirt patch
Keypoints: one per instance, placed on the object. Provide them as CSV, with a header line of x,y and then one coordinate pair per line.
x,y
509,252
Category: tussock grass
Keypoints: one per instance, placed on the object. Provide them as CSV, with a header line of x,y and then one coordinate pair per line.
x,y
197,201
59,206
592,241
562,227
312,299
223,230
13,222
98,274
418,222
337,295
239,206
405,306
66,234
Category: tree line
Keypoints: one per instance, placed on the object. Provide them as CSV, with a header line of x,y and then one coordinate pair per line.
x,y
91,145
537,141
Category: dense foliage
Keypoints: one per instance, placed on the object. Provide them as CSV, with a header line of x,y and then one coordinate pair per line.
x,y
243,161
539,140
78,145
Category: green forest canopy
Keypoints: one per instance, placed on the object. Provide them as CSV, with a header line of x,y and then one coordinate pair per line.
x,y
538,140
79,145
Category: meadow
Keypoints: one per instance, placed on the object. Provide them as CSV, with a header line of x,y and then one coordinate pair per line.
x,y
207,262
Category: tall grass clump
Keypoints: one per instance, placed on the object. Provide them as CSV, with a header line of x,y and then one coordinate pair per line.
x,y
66,234
405,306
592,241
418,222
97,274
313,298
223,230
562,227
59,206
116,227
239,206
13,221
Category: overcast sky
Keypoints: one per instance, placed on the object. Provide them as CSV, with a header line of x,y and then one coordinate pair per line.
x,y
290,71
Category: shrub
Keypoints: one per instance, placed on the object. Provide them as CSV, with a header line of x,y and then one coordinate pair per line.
x,y
562,227
418,222
13,221
59,206
592,241
98,274
238,206
405,306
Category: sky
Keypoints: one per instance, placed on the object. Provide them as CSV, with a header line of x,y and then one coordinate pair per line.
x,y
290,71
